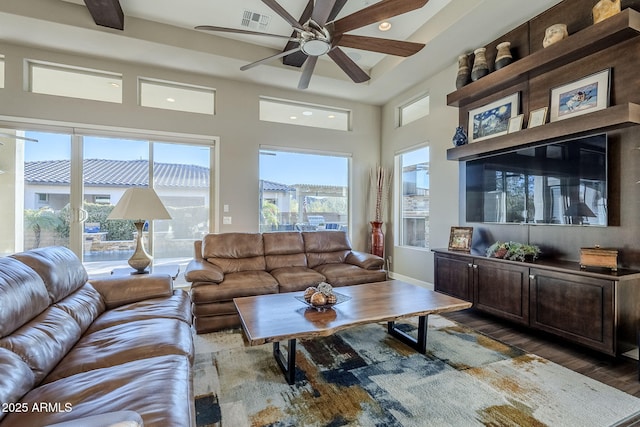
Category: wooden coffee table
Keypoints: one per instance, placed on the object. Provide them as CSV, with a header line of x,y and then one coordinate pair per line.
x,y
279,317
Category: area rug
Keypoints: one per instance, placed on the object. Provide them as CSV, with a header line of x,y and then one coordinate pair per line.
x,y
364,377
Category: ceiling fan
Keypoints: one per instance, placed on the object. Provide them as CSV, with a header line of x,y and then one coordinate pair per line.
x,y
317,34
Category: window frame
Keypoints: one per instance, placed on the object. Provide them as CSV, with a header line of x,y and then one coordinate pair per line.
x,y
412,102
296,113
291,150
115,79
399,195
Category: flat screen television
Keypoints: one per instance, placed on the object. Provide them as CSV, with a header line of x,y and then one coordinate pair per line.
x,y
558,183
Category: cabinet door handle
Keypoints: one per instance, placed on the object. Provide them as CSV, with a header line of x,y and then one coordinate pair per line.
x,y
469,265
532,276
475,265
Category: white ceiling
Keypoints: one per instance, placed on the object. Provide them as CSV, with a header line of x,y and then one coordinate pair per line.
x,y
160,32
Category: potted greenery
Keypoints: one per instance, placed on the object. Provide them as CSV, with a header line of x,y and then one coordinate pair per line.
x,y
514,251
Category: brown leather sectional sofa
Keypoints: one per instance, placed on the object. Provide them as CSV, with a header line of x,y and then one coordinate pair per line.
x,y
230,265
91,353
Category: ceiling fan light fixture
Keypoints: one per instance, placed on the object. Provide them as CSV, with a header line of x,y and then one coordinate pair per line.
x,y
384,26
315,47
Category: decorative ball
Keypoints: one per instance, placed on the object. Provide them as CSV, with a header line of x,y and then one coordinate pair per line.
x,y
325,288
318,299
332,299
308,292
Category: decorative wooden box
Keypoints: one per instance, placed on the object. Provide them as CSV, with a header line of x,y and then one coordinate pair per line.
x,y
599,257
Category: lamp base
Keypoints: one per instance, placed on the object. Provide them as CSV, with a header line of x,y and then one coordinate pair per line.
x,y
140,259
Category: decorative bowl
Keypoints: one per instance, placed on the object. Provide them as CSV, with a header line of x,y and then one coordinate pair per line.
x,y
340,299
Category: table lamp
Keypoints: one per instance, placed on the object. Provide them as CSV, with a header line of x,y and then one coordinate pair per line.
x,y
139,204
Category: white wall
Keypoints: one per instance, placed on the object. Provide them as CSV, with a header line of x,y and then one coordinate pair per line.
x,y
436,130
236,123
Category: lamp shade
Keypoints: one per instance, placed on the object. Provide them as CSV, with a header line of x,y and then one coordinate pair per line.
x,y
139,204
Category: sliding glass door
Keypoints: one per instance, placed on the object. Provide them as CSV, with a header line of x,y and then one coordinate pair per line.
x,y
109,167
58,189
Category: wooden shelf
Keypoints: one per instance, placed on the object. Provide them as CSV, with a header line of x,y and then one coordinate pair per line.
x,y
616,117
618,28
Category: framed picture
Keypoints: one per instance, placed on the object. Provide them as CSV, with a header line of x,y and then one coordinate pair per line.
x,y
493,119
537,117
460,239
515,123
583,96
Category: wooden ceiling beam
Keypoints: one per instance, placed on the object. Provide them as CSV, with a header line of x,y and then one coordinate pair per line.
x,y
107,13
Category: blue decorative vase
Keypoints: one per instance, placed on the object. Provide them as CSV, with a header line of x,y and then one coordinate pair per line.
x,y
460,137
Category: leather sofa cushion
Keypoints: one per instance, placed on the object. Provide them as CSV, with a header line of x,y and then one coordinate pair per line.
x,y
124,343
43,341
156,388
84,305
216,323
199,270
234,252
326,247
278,261
16,379
316,259
23,294
177,307
117,291
284,249
229,265
347,274
60,269
293,279
214,309
325,241
241,284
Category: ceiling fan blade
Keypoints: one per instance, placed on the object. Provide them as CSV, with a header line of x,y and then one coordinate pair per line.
x,y
347,65
239,31
275,6
376,13
375,44
106,13
337,7
307,72
298,58
322,10
269,58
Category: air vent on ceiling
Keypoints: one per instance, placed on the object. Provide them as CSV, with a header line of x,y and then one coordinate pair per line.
x,y
255,21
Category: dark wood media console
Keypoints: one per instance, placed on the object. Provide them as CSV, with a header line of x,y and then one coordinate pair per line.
x,y
596,308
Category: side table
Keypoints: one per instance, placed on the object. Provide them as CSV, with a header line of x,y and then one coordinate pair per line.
x,y
171,269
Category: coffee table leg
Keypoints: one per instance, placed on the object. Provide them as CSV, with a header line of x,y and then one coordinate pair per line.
x,y
287,365
419,344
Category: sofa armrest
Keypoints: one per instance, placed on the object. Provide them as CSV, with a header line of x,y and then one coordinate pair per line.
x,y
199,270
365,260
117,291
110,419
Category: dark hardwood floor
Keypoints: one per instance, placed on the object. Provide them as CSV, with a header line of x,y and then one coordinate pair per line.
x,y
620,372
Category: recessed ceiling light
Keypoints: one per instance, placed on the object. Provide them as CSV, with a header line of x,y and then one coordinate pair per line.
x,y
384,26
114,84
293,117
307,113
331,116
171,100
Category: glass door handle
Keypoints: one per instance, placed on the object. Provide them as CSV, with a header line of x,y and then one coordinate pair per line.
x,y
82,215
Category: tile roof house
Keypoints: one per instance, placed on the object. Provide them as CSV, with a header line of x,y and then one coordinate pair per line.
x,y
47,182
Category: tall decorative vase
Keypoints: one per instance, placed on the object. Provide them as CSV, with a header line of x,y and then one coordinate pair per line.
x,y
480,67
377,239
464,73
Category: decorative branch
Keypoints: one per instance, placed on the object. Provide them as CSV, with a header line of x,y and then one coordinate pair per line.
x,y
380,182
